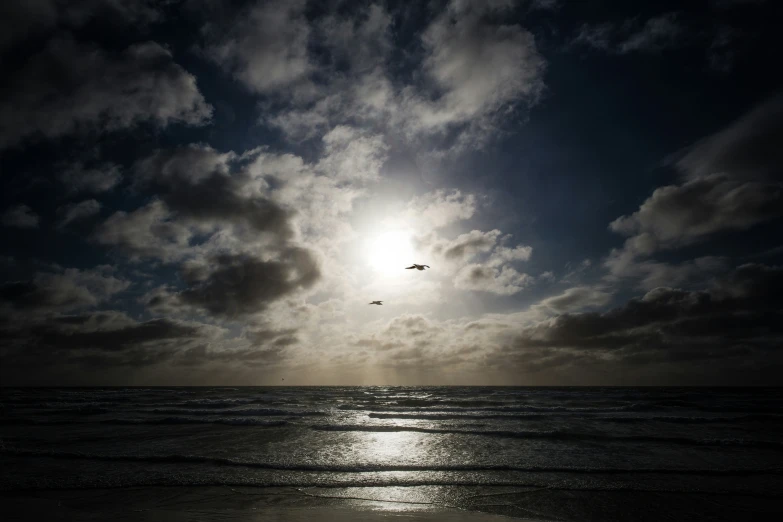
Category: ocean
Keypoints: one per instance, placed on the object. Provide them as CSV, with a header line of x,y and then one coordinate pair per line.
x,y
546,453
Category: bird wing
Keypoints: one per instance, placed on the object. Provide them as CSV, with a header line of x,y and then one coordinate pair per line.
x,y
409,267
426,266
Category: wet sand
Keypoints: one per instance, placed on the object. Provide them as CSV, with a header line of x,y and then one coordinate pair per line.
x,y
185,504
245,504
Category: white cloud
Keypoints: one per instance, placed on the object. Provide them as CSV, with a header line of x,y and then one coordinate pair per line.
x,y
264,45
575,299
473,71
441,208
497,280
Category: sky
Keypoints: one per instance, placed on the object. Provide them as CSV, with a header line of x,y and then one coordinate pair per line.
x,y
200,192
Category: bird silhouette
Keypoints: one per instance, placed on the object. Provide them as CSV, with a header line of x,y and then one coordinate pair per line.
x,y
417,267
377,303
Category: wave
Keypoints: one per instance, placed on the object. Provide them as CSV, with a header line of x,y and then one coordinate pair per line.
x,y
220,403
374,467
254,412
240,421
557,435
620,419
503,409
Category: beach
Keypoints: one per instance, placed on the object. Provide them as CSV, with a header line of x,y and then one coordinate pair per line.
x,y
181,504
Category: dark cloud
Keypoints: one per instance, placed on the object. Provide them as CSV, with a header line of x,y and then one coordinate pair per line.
x,y
49,292
751,148
196,182
262,336
23,19
97,341
34,18
20,216
147,232
198,191
677,215
102,178
661,32
252,357
658,33
732,182
739,314
77,211
232,286
71,87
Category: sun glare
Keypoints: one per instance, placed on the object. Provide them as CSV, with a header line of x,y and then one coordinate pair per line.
x,y
391,252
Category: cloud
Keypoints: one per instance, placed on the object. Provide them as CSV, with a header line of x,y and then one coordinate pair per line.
x,y
362,41
71,87
658,33
473,71
352,155
747,149
731,183
723,49
20,216
49,292
77,211
668,324
624,263
465,246
476,66
496,280
102,178
23,19
597,36
547,5
233,286
264,45
576,299
147,232
102,341
678,215
502,254
441,208
196,182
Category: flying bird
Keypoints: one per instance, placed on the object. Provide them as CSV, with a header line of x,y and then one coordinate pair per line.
x,y
377,302
417,267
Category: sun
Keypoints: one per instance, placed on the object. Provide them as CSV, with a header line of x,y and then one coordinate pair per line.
x,y
390,252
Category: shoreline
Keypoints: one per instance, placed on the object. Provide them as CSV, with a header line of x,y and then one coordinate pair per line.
x,y
206,503
375,504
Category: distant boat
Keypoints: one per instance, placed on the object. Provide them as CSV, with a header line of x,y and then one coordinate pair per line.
x,y
417,267
377,302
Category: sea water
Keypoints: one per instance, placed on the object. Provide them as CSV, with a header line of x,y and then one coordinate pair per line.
x,y
444,444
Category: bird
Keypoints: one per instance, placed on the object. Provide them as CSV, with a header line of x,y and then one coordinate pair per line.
x,y
417,267
380,303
